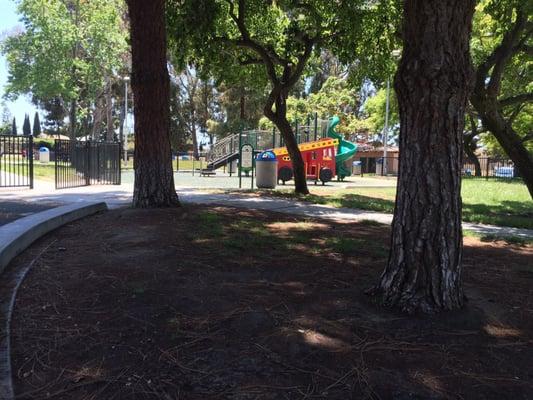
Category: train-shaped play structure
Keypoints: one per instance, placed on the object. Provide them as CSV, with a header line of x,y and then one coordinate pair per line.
x,y
324,159
325,152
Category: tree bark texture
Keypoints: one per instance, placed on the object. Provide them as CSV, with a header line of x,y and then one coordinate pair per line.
x,y
154,180
298,166
423,273
278,96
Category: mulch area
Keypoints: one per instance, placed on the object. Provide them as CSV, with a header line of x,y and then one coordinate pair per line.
x,y
12,210
220,303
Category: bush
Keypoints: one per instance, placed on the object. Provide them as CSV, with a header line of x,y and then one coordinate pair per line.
x,y
48,143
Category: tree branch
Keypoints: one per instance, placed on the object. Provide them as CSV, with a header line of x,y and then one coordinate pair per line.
x,y
508,47
512,100
251,61
527,138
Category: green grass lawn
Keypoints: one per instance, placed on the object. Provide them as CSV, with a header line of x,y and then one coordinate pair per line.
x,y
43,172
494,202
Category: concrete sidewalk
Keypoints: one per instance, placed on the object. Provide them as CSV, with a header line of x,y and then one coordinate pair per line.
x,y
120,196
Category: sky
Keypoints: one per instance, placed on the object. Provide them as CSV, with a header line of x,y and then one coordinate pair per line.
x,y
8,20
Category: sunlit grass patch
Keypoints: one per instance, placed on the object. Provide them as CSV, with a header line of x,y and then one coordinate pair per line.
x,y
518,240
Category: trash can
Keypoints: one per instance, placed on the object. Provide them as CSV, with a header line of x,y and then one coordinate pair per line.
x,y
379,166
356,168
44,155
266,167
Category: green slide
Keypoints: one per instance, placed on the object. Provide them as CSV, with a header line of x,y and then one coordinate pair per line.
x,y
345,151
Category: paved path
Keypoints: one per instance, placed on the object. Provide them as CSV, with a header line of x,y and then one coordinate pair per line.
x,y
328,212
119,196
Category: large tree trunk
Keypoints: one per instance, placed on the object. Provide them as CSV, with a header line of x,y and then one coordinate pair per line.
x,y
493,120
278,95
154,180
432,84
298,166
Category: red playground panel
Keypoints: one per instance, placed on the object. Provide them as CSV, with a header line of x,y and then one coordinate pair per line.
x,y
319,160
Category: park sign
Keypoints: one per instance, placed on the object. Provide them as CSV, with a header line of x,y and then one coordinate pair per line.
x,y
247,156
246,162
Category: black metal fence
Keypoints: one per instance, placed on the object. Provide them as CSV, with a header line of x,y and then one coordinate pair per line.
x,y
486,167
86,163
16,161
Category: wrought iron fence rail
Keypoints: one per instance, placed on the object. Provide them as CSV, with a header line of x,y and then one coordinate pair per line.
x,y
487,167
16,161
86,163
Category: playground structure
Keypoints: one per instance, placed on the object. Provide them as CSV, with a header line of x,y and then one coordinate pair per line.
x,y
325,152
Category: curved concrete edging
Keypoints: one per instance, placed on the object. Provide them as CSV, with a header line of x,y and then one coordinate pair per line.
x,y
15,237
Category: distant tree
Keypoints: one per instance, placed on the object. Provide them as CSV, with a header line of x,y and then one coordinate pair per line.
x,y
36,125
5,122
278,38
55,114
26,126
503,91
66,50
14,127
374,111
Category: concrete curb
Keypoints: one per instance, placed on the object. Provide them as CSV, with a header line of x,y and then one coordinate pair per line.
x,y
15,237
18,235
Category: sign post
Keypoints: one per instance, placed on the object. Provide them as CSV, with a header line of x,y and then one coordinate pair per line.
x,y
246,162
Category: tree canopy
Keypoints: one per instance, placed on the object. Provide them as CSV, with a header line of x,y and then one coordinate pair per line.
x,y
274,42
503,89
66,50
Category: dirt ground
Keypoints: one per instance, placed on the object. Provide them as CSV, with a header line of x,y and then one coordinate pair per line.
x,y
219,303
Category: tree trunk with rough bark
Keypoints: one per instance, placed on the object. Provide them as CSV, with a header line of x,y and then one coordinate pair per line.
x,y
154,179
423,273
278,96
298,166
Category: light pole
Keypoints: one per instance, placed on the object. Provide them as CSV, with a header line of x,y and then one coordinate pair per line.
x,y
125,128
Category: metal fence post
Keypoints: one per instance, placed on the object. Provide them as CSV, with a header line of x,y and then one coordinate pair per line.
x,y
30,159
87,162
316,125
119,164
